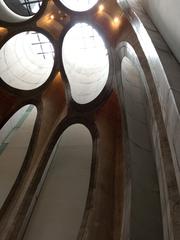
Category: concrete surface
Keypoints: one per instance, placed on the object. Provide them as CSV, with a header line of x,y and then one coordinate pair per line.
x,y
60,206
13,152
145,216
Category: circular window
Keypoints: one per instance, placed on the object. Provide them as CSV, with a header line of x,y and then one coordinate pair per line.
x,y
86,62
79,5
26,60
18,10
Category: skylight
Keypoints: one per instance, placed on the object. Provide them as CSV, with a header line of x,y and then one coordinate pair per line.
x,y
32,6
79,5
86,62
26,60
41,45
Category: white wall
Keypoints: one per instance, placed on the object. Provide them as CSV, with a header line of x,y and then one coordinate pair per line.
x,y
166,16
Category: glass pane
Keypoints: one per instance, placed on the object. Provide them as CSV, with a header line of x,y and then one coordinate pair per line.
x,y
79,5
26,60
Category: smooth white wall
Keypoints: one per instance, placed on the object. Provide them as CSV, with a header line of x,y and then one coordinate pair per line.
x,y
166,16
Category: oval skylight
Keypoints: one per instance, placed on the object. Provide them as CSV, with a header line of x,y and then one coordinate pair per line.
x,y
86,62
18,10
26,60
79,5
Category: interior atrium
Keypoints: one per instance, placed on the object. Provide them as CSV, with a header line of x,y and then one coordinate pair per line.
x,y
89,120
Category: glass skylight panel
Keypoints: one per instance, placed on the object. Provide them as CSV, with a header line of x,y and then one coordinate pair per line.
x,y
32,6
79,5
26,60
41,45
86,62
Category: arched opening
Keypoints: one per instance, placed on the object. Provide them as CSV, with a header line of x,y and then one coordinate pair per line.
x,y
86,62
18,10
15,136
79,5
59,210
26,60
145,203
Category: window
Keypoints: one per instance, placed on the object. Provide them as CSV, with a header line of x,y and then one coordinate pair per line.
x,y
79,5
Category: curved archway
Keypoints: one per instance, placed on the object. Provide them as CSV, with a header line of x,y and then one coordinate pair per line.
x,y
86,62
65,189
133,91
15,136
26,60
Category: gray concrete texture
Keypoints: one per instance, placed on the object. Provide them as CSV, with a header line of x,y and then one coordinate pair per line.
x,y
145,202
59,209
165,15
16,138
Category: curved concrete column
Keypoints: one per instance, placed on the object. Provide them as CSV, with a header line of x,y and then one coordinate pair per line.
x,y
165,15
60,207
164,165
168,98
15,137
145,197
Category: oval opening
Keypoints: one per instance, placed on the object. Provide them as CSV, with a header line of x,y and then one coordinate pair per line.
x,y
86,62
18,10
26,60
63,195
79,5
141,154
14,141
